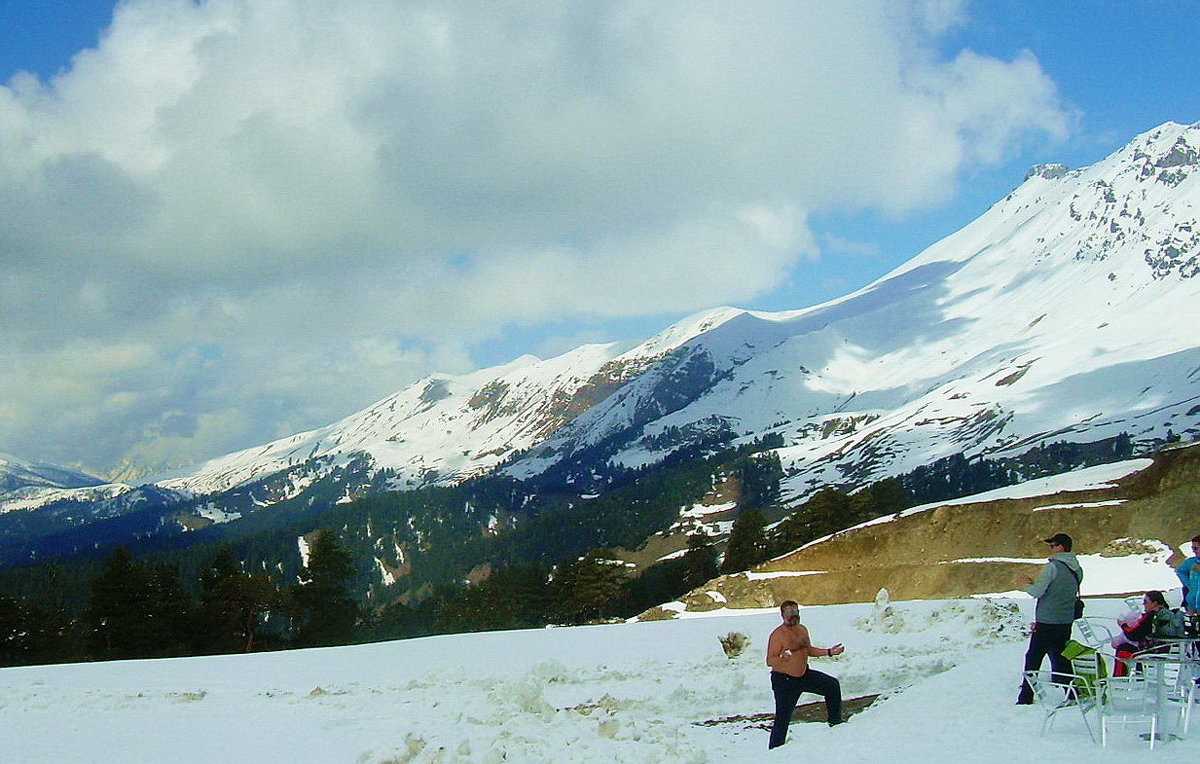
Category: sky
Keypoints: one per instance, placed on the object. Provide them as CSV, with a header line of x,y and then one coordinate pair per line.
x,y
229,221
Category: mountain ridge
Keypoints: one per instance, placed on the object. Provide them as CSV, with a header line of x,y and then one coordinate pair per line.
x,y
1054,315
17,474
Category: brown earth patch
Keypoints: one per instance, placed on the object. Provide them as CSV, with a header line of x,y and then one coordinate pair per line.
x,y
920,556
805,712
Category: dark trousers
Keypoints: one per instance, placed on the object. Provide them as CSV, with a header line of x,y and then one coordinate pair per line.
x,y
1047,639
787,691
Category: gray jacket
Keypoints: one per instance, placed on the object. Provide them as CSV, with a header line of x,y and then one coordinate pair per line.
x,y
1056,590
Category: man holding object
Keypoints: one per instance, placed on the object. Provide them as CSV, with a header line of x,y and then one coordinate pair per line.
x,y
788,651
1055,590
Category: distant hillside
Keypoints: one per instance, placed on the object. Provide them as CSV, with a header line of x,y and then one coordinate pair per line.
x,y
920,554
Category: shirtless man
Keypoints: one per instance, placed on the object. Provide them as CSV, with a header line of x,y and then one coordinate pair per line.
x,y
788,651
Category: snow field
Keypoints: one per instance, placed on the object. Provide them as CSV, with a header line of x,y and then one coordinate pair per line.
x,y
623,692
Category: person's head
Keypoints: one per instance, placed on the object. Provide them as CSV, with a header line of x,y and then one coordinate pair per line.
x,y
1059,542
1154,600
1196,545
790,610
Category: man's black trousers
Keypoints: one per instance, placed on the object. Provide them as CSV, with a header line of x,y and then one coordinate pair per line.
x,y
787,691
1047,639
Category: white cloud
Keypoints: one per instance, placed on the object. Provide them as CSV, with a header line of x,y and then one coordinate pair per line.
x,y
835,244
339,196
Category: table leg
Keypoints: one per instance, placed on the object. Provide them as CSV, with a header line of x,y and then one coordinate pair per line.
x,y
1160,700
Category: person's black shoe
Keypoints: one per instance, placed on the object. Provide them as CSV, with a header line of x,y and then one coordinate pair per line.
x,y
1024,702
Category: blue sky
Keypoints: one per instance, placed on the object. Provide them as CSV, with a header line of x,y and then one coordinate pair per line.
x,y
228,221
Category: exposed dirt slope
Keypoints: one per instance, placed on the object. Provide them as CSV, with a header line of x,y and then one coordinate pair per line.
x,y
913,556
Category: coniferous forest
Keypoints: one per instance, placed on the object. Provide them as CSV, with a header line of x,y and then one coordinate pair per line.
x,y
490,553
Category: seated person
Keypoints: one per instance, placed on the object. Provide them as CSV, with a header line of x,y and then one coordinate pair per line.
x,y
1138,629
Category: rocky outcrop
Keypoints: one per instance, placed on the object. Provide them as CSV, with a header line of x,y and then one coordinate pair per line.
x,y
1048,171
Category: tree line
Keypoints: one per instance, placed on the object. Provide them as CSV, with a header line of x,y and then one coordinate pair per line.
x,y
137,609
829,510
144,607
555,565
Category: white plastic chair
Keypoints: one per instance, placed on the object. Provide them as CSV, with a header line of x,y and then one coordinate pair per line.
x,y
1126,700
1054,696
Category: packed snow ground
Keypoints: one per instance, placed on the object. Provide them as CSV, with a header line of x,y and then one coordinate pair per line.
x,y
624,692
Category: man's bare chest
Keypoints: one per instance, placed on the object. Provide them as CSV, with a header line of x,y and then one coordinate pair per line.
x,y
795,639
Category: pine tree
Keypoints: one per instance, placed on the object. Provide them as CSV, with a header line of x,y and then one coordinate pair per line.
x,y
233,604
747,543
326,614
587,588
169,612
117,609
760,475
36,629
700,562
13,625
884,497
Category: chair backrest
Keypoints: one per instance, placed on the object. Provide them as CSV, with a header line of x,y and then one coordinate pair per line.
x,y
1088,666
1178,678
1094,631
1125,695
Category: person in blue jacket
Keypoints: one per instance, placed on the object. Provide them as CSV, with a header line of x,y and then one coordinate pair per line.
x,y
1189,576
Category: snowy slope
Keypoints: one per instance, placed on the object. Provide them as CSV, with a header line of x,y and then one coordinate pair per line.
x,y
450,427
641,692
24,483
632,692
1068,311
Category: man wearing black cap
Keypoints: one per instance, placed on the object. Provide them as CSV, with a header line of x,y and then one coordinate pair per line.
x,y
1056,589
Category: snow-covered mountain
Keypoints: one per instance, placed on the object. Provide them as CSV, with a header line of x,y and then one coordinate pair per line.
x,y
445,428
1067,312
22,480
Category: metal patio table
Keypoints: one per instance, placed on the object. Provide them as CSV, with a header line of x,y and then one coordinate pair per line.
x,y
1182,654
